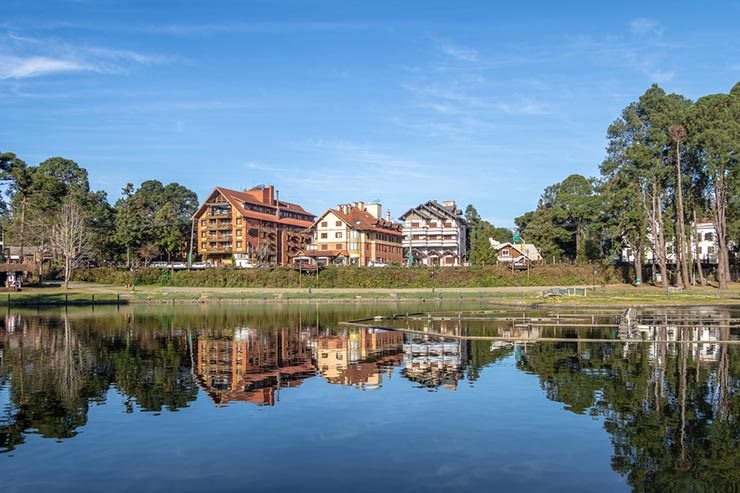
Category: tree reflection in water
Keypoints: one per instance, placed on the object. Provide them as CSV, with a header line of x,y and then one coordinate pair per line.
x,y
670,408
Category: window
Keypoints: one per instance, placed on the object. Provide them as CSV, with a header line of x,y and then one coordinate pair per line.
x,y
414,224
710,250
628,252
448,224
338,223
708,236
239,221
203,246
353,246
324,235
202,234
338,234
324,247
338,246
203,222
324,224
238,244
505,252
698,250
238,232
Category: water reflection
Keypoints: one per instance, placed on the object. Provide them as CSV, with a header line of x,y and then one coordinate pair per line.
x,y
666,392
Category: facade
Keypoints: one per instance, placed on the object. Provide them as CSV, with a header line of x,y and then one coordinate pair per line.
x,y
520,254
356,234
703,245
360,357
252,365
434,234
253,225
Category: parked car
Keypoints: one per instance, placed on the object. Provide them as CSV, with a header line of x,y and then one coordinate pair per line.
x,y
244,264
373,263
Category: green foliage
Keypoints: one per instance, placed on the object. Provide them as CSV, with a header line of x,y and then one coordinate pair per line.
x,y
360,277
154,214
561,226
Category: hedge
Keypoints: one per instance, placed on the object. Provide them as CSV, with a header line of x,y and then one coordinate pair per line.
x,y
362,277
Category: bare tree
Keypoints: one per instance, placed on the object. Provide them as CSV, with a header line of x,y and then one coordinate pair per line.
x,y
148,251
70,239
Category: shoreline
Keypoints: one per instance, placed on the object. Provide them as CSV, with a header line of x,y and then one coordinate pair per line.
x,y
81,294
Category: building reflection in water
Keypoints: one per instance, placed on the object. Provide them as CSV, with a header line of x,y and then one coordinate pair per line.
x,y
358,357
253,365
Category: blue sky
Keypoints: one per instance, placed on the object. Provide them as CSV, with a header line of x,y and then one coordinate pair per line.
x,y
334,101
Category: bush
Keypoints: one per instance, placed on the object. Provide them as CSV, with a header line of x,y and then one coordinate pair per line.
x,y
362,277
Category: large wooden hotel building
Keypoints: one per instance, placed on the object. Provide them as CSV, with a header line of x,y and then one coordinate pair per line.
x,y
253,225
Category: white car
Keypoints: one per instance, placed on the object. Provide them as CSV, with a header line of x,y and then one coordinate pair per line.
x,y
244,264
376,264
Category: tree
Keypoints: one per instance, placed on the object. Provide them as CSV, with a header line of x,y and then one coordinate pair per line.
x,y
148,251
70,238
560,224
169,235
20,176
677,133
154,213
715,129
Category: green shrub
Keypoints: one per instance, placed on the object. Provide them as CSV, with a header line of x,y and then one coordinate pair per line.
x,y
362,277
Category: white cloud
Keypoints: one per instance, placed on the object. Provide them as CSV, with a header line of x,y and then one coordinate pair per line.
x,y
12,67
458,52
641,25
23,57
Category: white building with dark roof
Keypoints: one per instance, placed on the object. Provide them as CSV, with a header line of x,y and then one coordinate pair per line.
x,y
434,234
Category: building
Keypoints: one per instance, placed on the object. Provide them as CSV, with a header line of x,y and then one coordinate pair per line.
x,y
252,365
356,234
703,245
434,234
520,254
358,357
253,225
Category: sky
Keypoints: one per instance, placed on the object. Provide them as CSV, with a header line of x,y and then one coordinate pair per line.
x,y
335,101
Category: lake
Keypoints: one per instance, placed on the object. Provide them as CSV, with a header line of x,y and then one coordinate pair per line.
x,y
287,398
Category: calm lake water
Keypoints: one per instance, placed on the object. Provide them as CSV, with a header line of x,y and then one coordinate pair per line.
x,y
284,398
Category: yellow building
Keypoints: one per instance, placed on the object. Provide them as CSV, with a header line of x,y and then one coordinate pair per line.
x,y
356,234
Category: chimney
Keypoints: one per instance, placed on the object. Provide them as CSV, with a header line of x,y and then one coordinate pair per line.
x,y
374,210
277,201
450,204
388,215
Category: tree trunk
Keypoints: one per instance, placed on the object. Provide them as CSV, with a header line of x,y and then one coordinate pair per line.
x,y
720,225
23,228
638,260
699,268
658,228
67,269
681,263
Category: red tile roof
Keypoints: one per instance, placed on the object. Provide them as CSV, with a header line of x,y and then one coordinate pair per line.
x,y
237,199
364,221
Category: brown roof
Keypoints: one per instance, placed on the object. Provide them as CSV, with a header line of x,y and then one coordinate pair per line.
x,y
364,221
237,200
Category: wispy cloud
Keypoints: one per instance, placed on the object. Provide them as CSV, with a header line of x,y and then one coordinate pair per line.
x,y
23,57
641,25
458,52
13,67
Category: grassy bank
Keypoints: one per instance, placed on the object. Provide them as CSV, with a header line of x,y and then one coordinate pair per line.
x,y
612,295
362,277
